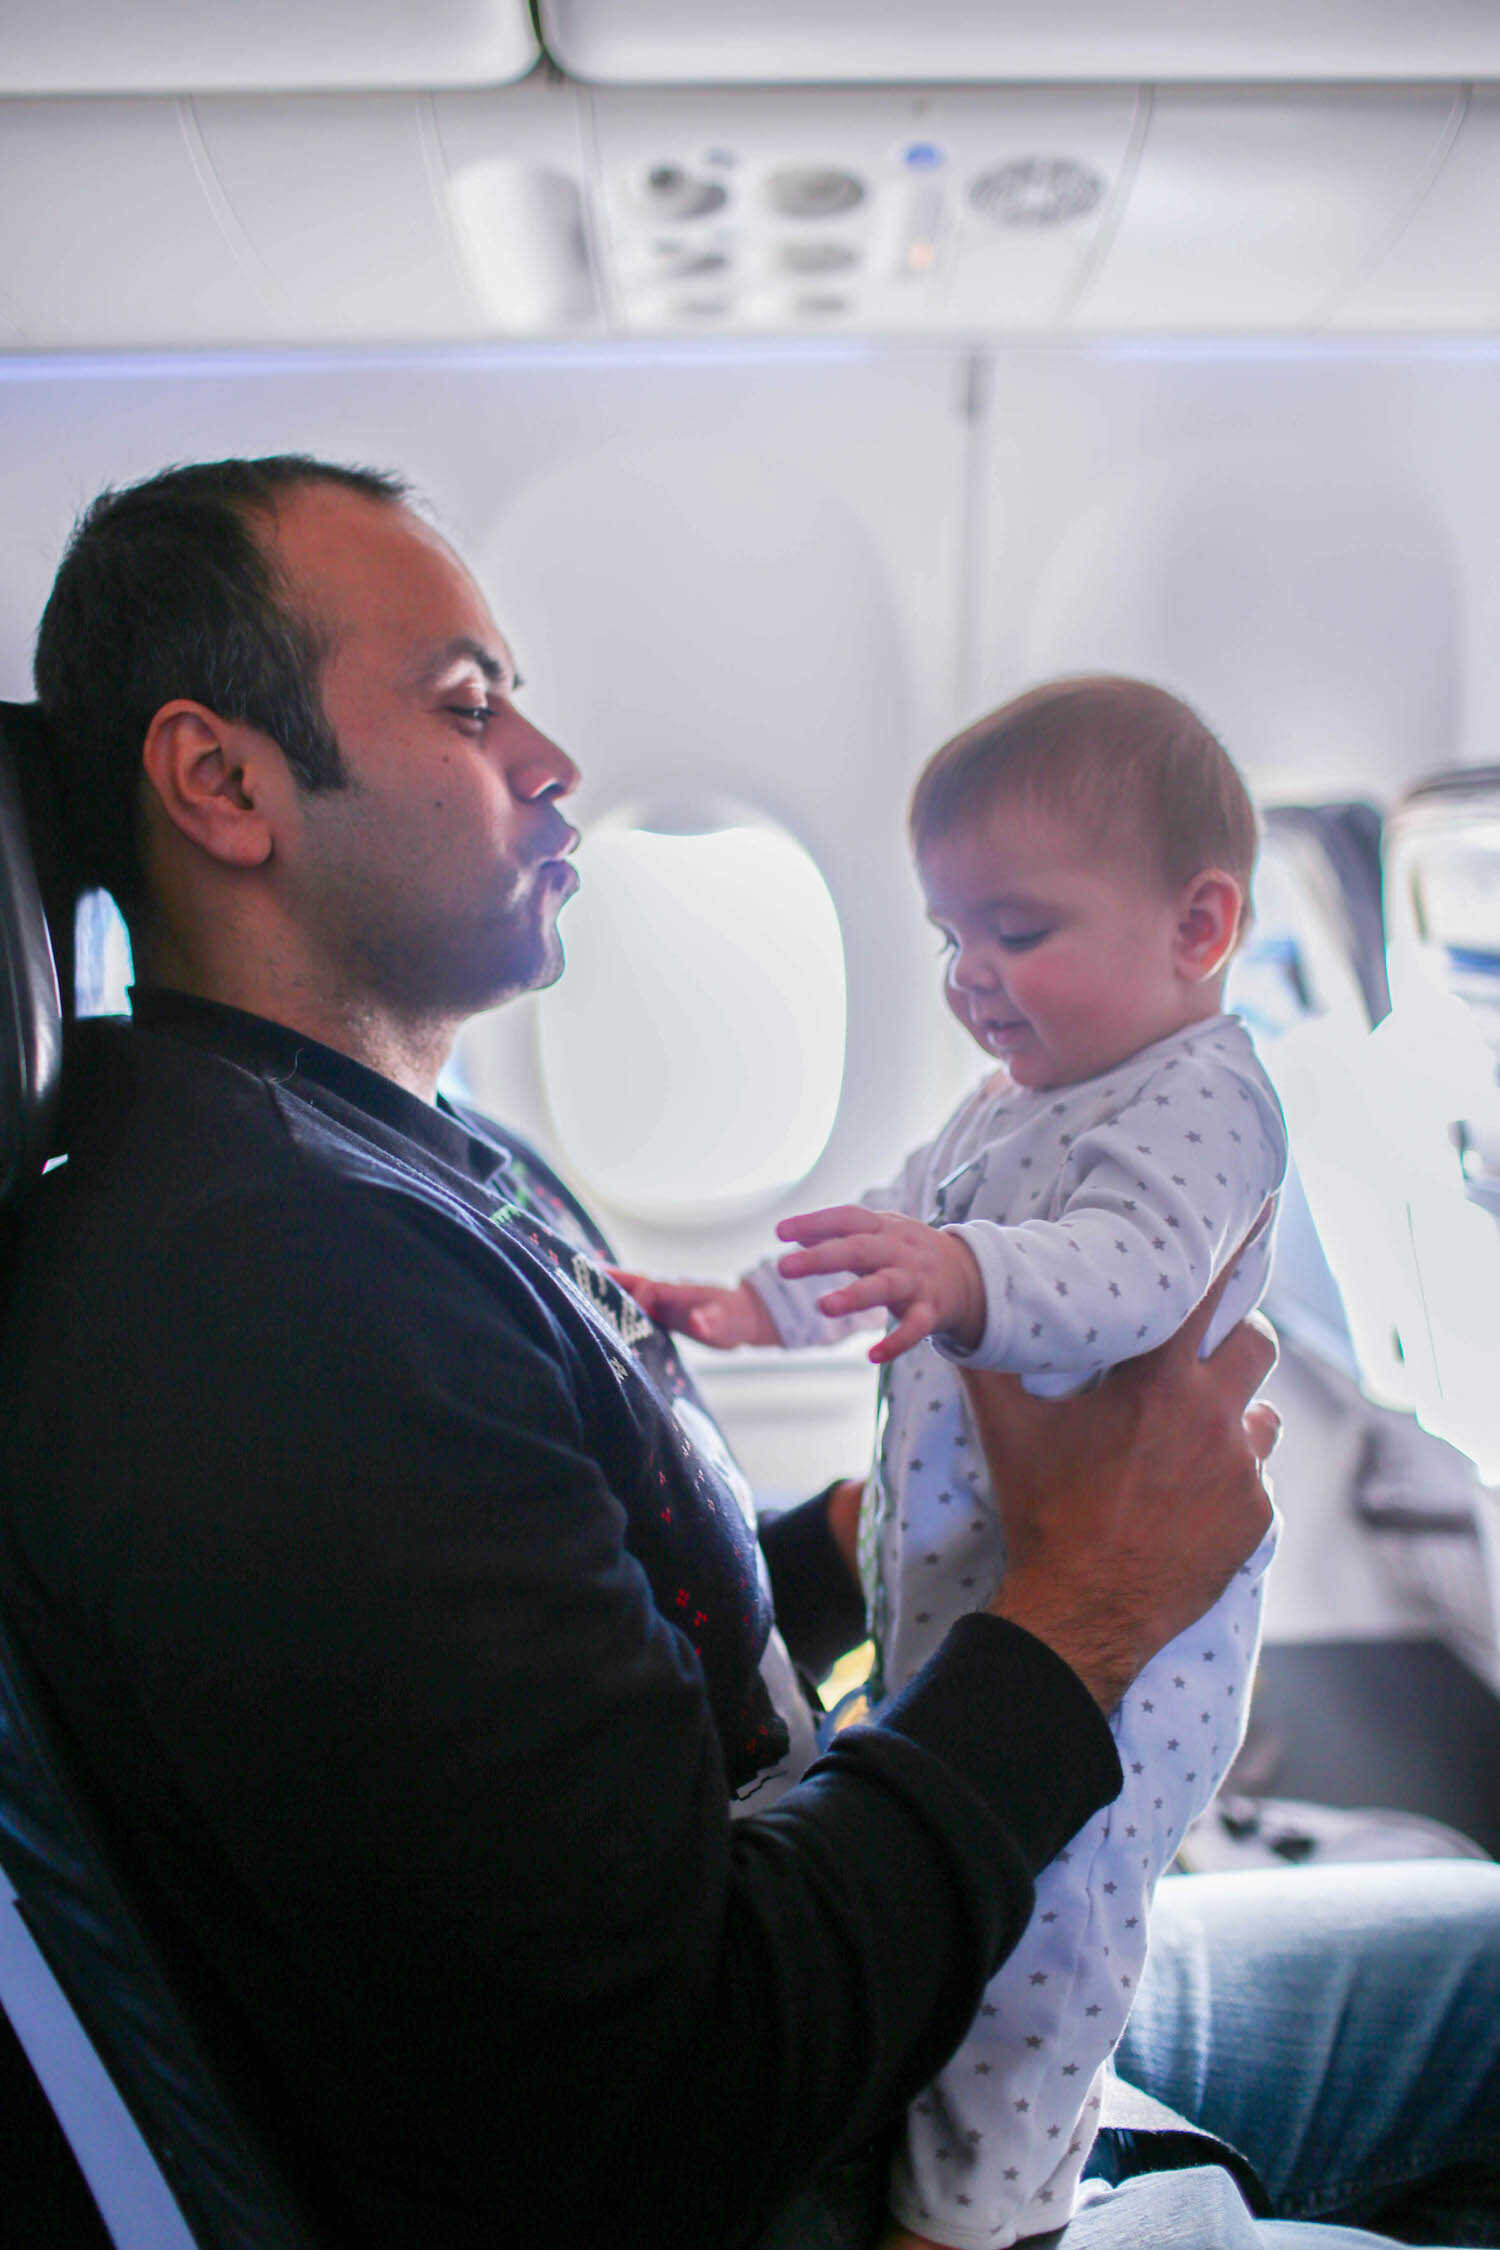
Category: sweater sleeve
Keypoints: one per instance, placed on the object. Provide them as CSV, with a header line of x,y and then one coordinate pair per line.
x,y
820,1609
1153,1201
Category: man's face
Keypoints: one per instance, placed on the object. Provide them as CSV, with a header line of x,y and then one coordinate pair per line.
x,y
431,882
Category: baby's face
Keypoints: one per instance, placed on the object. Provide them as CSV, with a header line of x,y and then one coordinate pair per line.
x,y
1059,963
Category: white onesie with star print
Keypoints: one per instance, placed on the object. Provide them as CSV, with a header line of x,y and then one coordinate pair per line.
x,y
1099,1213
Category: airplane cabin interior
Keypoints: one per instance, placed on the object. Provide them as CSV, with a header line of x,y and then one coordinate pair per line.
x,y
803,378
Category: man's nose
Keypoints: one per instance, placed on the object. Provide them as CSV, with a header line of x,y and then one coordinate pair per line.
x,y
538,767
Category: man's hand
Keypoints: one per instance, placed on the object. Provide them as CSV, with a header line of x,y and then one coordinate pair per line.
x,y
722,1317
1128,1508
927,1276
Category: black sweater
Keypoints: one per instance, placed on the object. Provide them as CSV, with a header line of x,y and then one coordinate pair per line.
x,y
333,1501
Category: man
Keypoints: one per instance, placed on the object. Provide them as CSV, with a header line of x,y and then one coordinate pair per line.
x,y
414,1641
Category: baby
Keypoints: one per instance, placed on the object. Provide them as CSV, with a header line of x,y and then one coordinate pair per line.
x,y
1086,854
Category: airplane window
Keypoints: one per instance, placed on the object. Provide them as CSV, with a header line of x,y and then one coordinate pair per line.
x,y
694,1053
102,970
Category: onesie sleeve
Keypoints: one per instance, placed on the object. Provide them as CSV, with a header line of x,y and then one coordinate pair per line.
x,y
1153,1200
793,1305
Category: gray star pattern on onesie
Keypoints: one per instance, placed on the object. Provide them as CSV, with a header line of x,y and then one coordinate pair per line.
x,y
1098,1213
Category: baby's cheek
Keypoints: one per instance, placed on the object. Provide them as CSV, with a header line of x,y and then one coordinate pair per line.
x,y
957,1005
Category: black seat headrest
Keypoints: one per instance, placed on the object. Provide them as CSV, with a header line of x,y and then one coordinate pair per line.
x,y
31,1016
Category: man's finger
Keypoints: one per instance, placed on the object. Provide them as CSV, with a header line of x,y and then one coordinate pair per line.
x,y
1245,1358
1005,1413
1263,1428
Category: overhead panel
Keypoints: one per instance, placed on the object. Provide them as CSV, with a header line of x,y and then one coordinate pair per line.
x,y
1256,209
673,42
107,236
1443,270
335,202
847,209
513,184
162,46
323,218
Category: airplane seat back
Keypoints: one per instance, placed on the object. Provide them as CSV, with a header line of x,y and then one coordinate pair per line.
x,y
31,1008
1313,963
190,2104
1436,1100
1346,836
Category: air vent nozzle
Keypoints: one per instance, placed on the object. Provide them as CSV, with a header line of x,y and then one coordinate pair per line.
x,y
1036,191
670,192
814,191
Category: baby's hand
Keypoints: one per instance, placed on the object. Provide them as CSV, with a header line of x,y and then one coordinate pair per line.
x,y
927,1276
722,1317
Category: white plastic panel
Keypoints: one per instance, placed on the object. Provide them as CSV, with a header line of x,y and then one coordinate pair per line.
x,y
673,41
338,205
1303,596
514,173
84,188
224,219
1444,271
1258,209
292,219
1004,271
161,46
725,210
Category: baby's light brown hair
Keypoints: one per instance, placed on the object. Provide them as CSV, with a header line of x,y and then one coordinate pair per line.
x,y
1113,755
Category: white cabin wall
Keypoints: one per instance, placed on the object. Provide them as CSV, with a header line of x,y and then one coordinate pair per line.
x,y
790,572
1298,539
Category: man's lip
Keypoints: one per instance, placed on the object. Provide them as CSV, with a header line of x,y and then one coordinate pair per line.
x,y
566,845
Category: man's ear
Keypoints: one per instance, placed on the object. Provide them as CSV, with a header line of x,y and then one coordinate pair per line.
x,y
208,774
1208,922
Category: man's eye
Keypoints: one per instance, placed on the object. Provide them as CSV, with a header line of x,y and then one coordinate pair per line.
x,y
476,713
1021,941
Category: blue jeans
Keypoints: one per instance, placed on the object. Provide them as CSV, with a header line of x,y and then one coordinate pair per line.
x,y
1340,2027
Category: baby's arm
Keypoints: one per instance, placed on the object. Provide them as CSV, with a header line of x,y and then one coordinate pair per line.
x,y
799,1309
722,1317
1153,1201
763,1308
928,1276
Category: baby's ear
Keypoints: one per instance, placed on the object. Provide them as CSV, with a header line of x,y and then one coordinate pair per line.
x,y
1208,923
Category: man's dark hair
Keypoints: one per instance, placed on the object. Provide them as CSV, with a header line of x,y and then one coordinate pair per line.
x,y
166,590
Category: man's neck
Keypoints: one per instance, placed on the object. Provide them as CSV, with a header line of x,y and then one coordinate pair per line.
x,y
410,1054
